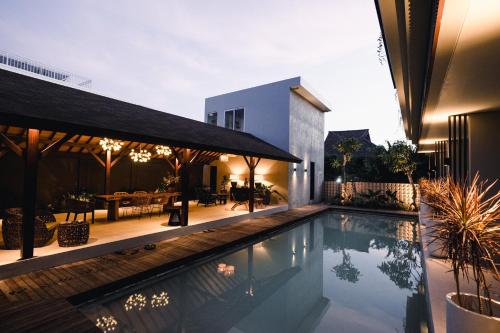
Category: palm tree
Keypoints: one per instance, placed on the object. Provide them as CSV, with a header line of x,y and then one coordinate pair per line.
x,y
401,158
347,147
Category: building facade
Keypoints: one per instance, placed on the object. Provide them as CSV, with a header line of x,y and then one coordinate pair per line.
x,y
445,64
287,115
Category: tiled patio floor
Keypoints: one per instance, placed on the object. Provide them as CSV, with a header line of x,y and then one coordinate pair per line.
x,y
132,227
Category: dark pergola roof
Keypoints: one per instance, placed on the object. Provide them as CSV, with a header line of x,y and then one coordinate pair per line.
x,y
34,103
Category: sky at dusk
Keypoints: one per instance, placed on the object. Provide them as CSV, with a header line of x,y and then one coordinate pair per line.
x,y
170,55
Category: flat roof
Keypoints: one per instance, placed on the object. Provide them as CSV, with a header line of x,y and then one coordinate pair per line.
x,y
29,102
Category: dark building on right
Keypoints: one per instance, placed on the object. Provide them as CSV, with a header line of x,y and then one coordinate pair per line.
x,y
445,64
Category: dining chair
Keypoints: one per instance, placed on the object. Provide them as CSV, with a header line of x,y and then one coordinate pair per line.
x,y
125,202
141,204
158,202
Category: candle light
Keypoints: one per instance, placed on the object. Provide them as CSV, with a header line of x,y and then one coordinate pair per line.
x,y
221,268
229,270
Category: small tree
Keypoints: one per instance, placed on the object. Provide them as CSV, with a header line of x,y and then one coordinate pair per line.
x,y
347,147
401,158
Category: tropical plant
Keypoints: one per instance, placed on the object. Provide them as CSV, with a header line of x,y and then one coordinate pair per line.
x,y
401,158
168,181
347,147
346,270
469,233
224,181
434,189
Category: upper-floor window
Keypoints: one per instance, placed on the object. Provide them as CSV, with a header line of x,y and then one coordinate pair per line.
x,y
235,119
212,118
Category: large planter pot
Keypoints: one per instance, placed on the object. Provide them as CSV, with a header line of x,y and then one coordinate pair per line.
x,y
461,320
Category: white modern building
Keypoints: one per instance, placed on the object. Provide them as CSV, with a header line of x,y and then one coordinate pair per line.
x,y
286,114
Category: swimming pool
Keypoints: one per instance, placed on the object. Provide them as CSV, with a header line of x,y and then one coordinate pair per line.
x,y
337,272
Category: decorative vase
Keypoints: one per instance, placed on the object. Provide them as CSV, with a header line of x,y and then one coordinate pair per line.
x,y
462,320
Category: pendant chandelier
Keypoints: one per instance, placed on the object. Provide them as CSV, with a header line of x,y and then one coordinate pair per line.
x,y
141,156
110,144
163,150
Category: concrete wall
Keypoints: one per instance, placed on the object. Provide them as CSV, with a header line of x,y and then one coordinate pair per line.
x,y
279,116
306,142
484,145
266,110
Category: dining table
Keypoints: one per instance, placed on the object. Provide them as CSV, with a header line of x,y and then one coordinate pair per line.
x,y
113,201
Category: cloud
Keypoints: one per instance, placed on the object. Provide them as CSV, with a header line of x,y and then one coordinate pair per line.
x,y
170,55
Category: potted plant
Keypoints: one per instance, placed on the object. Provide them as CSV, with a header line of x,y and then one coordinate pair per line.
x,y
224,181
266,194
469,231
168,183
432,192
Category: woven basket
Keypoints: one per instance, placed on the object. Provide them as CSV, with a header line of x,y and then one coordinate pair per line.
x,y
73,233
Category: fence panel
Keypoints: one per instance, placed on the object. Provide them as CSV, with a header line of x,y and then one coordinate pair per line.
x,y
403,191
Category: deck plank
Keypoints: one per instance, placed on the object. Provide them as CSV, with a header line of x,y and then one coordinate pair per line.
x,y
36,301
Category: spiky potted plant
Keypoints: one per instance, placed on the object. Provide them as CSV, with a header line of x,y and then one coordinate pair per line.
x,y
469,231
432,191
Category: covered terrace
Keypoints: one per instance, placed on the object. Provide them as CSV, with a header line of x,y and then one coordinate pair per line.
x,y
93,136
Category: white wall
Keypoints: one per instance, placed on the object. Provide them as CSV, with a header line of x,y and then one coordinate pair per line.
x,y
306,142
266,110
277,115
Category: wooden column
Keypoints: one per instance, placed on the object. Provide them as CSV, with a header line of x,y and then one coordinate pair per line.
x,y
184,173
252,163
251,196
107,175
29,193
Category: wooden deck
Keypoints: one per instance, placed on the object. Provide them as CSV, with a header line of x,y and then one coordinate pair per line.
x,y
84,279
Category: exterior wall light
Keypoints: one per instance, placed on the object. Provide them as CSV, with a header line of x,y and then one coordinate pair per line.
x,y
305,170
224,158
338,180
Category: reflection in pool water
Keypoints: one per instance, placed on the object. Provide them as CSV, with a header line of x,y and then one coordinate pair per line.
x,y
337,273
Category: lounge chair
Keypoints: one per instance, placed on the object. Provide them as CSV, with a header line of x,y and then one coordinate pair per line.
x,y
206,198
240,197
75,206
45,226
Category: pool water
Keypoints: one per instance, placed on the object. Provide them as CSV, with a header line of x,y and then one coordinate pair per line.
x,y
337,272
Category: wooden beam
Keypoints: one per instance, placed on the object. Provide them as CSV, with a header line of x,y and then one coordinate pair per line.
x,y
171,164
98,159
184,171
177,154
11,145
107,174
29,193
54,146
117,159
247,161
195,155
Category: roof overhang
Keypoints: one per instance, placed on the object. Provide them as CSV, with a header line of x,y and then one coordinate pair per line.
x,y
310,97
32,103
444,59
